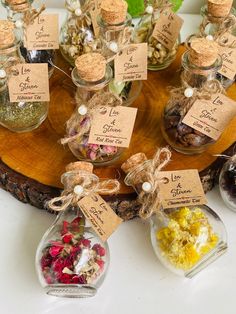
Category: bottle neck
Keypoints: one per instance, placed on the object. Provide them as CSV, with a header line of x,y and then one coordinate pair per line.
x,y
195,76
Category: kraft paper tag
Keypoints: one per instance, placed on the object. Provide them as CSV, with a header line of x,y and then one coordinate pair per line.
x,y
94,14
102,218
210,117
29,82
181,188
112,126
167,29
43,34
228,55
131,63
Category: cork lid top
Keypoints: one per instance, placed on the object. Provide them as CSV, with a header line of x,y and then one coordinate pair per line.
x,y
203,52
114,11
7,36
18,5
219,8
91,67
134,161
80,165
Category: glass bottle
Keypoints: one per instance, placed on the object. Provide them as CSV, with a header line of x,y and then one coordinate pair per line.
x,y
116,32
227,183
88,88
77,35
16,12
159,57
185,239
216,19
71,261
15,116
198,69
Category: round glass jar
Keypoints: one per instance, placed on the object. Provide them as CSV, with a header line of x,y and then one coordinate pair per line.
x,y
227,183
81,124
215,24
16,14
71,261
185,239
17,116
159,57
77,35
178,135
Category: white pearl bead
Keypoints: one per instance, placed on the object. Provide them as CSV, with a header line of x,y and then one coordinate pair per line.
x,y
78,189
3,74
149,9
113,47
210,37
19,24
78,12
82,110
188,92
146,186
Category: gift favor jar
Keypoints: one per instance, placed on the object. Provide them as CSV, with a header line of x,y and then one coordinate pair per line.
x,y
227,183
71,261
200,66
91,75
77,35
159,57
185,239
219,19
15,116
21,12
115,33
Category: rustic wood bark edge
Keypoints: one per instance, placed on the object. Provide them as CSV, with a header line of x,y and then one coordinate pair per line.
x,y
32,192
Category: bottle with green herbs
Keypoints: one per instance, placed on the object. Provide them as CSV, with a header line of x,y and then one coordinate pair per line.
x,y
15,116
159,56
116,33
219,20
22,13
77,34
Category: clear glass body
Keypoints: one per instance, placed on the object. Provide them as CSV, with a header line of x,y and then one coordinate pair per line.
x,y
30,56
159,57
211,29
71,261
17,116
97,154
185,239
227,183
120,34
178,135
77,34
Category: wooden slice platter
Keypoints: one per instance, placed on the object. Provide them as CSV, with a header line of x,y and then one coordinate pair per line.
x,y
32,163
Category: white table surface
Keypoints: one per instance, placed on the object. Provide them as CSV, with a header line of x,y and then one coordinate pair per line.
x,y
136,281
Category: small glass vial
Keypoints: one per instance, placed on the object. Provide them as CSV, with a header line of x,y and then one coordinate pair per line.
x,y
71,261
200,65
17,10
77,35
116,33
185,239
159,57
91,75
227,183
15,116
217,16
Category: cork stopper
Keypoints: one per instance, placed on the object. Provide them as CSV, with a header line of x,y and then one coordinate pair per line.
x,y
80,165
7,36
134,161
18,5
203,52
114,11
91,66
219,8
